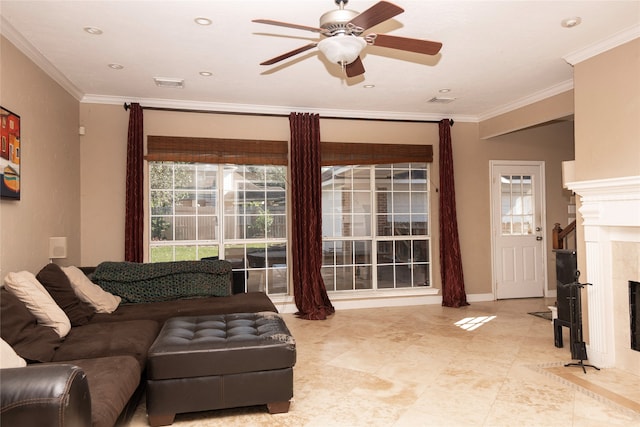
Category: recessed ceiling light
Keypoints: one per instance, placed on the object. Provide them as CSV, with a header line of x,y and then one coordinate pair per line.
x,y
93,30
369,86
116,66
444,90
202,21
206,73
571,22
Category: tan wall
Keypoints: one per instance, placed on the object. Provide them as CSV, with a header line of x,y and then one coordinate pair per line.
x,y
607,104
74,186
50,171
556,107
104,156
552,144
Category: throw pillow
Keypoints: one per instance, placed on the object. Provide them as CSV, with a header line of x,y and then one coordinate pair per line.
x,y
89,292
26,287
9,358
20,329
57,284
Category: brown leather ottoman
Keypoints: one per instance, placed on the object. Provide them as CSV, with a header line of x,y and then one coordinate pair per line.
x,y
201,363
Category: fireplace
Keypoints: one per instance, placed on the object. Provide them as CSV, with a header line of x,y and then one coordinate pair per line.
x,y
610,220
634,308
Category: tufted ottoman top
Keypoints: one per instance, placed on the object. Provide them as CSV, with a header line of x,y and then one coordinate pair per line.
x,y
197,346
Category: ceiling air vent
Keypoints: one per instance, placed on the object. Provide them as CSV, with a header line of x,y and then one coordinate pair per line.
x,y
441,100
169,82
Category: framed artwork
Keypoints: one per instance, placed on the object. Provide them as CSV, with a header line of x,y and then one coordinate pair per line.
x,y
9,155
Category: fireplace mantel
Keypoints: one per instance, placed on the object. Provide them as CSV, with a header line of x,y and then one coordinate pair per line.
x,y
609,213
609,202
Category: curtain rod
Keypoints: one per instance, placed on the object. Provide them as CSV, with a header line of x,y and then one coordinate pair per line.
x,y
187,110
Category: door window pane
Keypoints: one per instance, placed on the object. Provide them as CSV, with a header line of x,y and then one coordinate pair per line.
x,y
516,204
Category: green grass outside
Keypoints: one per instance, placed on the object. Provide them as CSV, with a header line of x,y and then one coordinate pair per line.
x,y
182,253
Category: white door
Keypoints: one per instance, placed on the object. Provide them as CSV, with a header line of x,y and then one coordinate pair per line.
x,y
517,195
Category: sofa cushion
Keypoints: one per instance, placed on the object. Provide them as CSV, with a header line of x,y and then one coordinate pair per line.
x,y
26,287
9,358
20,329
112,382
101,300
251,302
56,282
131,338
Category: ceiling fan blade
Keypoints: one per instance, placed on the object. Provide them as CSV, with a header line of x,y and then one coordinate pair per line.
x,y
411,45
376,14
288,25
356,68
289,54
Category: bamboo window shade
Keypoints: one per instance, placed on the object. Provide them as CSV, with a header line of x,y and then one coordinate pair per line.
x,y
339,153
263,152
216,150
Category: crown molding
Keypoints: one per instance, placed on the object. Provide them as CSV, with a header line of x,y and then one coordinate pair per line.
x,y
615,40
271,109
27,49
528,100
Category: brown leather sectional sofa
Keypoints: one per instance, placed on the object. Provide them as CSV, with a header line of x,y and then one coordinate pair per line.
x,y
95,375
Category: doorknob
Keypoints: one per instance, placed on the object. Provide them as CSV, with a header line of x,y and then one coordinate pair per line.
x,y
538,238
538,228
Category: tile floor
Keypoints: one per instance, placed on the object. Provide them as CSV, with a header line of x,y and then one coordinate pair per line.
x,y
413,366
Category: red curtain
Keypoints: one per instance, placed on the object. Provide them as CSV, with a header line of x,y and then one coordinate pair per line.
x,y
134,211
453,293
309,291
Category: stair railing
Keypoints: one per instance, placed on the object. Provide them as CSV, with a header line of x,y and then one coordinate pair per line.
x,y
560,234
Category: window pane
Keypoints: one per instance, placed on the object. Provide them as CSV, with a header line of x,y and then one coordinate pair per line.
x,y
277,280
328,253
344,278
161,175
207,228
328,278
277,227
162,228
185,227
386,278
421,275
235,255
364,277
161,202
207,177
420,251
185,176
362,252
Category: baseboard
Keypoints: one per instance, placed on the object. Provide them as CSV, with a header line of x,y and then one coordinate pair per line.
x,y
287,304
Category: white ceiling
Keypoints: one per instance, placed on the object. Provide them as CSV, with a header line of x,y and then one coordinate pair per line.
x,y
496,55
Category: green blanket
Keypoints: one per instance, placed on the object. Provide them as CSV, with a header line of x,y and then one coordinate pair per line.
x,y
163,281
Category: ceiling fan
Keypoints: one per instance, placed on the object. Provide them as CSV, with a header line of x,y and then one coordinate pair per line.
x,y
343,40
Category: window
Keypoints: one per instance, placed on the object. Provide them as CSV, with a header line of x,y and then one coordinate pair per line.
x,y
375,227
516,201
375,214
234,212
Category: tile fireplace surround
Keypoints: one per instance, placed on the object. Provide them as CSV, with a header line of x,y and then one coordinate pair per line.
x,y
610,214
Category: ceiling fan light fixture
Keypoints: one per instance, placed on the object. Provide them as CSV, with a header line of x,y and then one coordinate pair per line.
x,y
342,49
